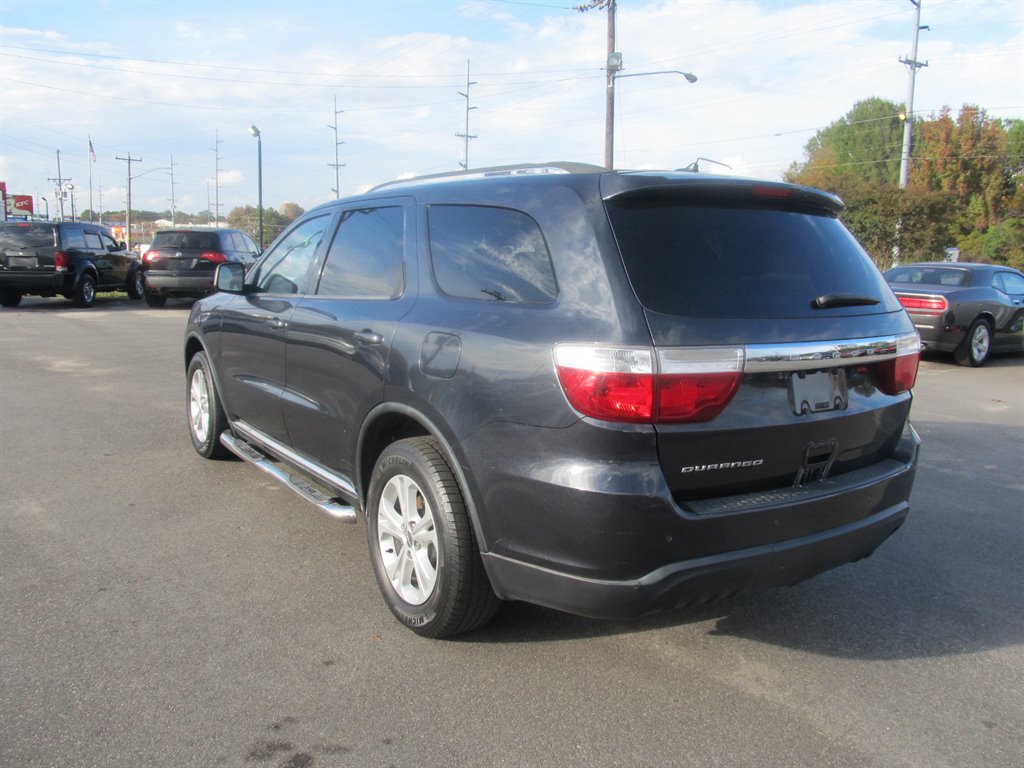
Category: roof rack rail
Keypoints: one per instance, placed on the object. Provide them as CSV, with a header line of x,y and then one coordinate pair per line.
x,y
525,169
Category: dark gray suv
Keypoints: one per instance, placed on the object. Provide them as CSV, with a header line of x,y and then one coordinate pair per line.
x,y
605,392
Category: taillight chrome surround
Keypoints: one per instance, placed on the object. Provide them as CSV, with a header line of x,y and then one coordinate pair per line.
x,y
694,384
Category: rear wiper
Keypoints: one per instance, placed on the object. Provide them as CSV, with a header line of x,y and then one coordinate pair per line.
x,y
829,300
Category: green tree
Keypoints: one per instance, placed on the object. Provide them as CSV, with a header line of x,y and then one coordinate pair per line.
x,y
966,182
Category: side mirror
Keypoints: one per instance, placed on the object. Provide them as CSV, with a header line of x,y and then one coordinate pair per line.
x,y
230,277
122,245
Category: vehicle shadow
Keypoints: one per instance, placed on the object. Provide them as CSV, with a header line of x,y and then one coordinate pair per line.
x,y
104,301
996,360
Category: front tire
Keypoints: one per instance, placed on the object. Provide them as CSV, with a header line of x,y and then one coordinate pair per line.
x,y
85,292
206,417
422,547
977,344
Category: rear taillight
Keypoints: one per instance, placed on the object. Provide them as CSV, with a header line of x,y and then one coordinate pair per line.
x,y
150,255
900,373
696,384
215,256
924,305
61,261
621,384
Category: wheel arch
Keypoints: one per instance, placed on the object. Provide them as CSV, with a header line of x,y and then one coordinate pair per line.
x,y
86,267
393,421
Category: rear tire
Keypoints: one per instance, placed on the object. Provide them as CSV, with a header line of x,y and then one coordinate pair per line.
x,y
136,285
977,344
85,292
206,417
9,297
422,546
155,299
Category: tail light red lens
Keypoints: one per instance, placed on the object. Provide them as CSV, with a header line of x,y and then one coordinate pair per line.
x,y
613,384
925,305
620,384
899,374
61,261
215,256
151,255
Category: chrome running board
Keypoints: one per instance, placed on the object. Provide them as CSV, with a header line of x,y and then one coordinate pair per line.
x,y
333,507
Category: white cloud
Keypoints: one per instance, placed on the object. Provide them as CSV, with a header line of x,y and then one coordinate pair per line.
x,y
770,75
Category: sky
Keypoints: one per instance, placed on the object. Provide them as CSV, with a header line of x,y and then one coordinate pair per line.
x,y
176,85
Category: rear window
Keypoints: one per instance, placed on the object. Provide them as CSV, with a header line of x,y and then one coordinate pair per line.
x,y
927,275
200,241
26,237
693,260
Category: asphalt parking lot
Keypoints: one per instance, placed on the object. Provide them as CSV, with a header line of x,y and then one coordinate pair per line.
x,y
157,609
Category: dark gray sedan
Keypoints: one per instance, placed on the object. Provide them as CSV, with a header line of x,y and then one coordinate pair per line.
x,y
970,310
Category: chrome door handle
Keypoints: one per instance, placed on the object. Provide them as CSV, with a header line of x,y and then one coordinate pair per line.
x,y
277,323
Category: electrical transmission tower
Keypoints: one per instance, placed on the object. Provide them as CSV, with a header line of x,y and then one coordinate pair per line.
x,y
336,165
466,136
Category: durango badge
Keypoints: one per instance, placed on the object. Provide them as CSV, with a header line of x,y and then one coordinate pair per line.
x,y
723,465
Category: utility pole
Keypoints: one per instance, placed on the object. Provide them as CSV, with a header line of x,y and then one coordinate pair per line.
x,y
128,211
216,176
613,65
912,66
172,191
59,181
336,165
466,136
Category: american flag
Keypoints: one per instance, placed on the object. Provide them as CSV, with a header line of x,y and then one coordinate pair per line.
x,y
92,152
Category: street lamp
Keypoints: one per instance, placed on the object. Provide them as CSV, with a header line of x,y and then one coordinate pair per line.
x,y
614,73
47,204
259,175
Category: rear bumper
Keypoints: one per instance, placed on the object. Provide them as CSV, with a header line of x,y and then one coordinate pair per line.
x,y
170,283
595,550
38,283
701,579
936,334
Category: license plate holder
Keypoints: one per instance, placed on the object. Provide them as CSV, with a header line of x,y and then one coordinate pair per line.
x,y
818,391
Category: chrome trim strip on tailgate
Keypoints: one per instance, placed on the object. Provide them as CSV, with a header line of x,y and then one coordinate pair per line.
x,y
813,355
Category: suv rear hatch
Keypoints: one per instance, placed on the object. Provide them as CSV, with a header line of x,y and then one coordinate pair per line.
x,y
781,356
185,251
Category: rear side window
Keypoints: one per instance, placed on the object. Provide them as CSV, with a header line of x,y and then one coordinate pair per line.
x,y
72,237
243,243
366,259
741,262
92,241
492,254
